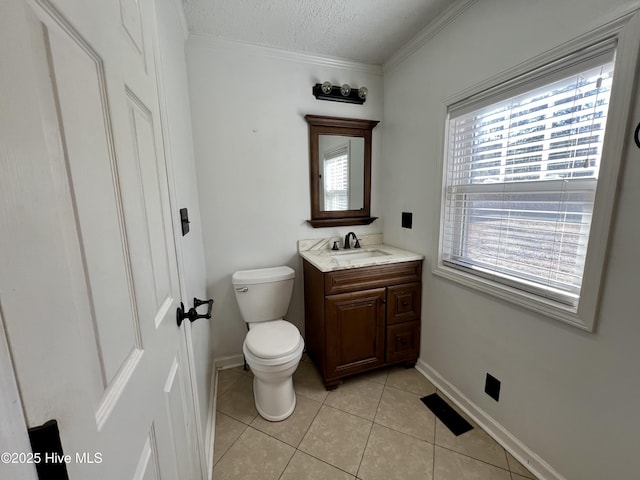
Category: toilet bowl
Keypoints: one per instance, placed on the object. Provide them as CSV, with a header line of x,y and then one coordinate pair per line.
x,y
273,347
273,351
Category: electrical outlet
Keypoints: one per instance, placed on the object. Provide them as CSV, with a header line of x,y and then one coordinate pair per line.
x,y
492,387
407,219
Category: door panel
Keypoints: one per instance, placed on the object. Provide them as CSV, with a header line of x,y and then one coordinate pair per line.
x,y
175,390
148,467
143,136
78,74
132,23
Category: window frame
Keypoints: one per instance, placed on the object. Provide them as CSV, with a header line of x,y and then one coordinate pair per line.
x,y
625,32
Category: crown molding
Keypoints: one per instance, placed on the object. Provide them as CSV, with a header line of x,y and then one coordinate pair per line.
x,y
209,41
427,33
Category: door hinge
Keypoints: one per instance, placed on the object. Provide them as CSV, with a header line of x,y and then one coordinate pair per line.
x,y
51,462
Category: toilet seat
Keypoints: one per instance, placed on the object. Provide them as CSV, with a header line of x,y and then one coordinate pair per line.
x,y
273,343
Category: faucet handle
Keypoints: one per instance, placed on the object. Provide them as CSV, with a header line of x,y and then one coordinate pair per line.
x,y
335,246
357,245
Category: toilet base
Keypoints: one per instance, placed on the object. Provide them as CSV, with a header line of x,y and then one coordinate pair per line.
x,y
273,391
274,401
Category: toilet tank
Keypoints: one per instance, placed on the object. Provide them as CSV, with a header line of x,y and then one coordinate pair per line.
x,y
263,294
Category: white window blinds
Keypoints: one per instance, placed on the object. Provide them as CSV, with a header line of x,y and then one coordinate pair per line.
x,y
336,179
521,172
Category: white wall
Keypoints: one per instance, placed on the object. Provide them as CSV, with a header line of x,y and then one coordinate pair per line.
x,y
252,154
570,396
179,148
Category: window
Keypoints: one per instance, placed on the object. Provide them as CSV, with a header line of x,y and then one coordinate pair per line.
x,y
520,175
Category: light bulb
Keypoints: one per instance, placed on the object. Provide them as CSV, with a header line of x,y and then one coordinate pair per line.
x,y
326,88
363,92
345,90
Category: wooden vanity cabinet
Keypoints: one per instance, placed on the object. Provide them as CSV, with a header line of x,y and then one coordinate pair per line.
x,y
363,318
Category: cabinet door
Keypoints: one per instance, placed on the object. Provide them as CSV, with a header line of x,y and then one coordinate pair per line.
x,y
403,341
354,331
404,303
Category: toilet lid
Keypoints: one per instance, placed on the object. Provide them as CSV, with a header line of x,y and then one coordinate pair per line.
x,y
272,339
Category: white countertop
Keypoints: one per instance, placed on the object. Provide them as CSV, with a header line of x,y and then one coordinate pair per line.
x,y
320,255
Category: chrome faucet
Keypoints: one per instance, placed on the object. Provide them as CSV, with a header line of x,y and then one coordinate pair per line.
x,y
346,241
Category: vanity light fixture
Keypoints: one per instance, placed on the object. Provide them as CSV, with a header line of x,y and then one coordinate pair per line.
x,y
337,93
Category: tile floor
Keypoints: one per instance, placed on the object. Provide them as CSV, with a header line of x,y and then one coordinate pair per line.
x,y
372,427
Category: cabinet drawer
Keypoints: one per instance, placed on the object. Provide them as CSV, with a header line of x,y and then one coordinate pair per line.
x,y
403,303
403,341
364,278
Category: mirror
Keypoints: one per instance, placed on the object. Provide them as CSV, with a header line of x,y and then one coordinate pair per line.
x,y
341,166
340,170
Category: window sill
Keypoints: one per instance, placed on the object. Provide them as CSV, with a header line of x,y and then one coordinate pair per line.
x,y
543,306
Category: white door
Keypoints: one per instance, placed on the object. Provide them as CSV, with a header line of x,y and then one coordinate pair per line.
x,y
88,271
14,441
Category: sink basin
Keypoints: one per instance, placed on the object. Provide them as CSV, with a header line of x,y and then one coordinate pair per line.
x,y
358,254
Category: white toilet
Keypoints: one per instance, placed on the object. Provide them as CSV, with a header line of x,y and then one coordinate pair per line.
x,y
273,347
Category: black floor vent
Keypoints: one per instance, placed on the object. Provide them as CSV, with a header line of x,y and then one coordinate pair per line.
x,y
446,414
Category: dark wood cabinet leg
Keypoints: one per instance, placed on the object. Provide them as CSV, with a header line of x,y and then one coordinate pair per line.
x,y
332,385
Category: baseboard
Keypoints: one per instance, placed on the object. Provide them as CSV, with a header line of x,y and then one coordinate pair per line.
x,y
499,433
218,364
230,361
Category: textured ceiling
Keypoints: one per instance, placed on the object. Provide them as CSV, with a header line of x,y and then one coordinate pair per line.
x,y
366,31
